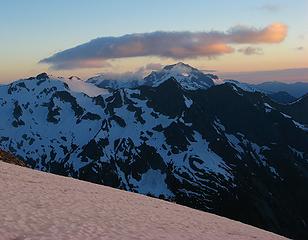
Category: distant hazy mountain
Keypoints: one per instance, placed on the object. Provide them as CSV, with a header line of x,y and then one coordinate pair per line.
x,y
279,92
282,97
112,84
222,149
295,89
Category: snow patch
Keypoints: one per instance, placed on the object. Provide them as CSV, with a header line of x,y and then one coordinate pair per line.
x,y
38,205
153,182
188,102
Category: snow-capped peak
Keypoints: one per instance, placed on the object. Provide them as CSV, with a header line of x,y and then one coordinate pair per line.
x,y
180,68
190,78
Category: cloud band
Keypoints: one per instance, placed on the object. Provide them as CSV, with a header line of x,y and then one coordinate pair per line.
x,y
176,45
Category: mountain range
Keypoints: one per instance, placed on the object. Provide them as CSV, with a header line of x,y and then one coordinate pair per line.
x,y
191,78
179,136
297,89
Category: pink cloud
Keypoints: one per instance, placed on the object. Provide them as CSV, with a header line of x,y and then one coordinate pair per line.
x,y
176,45
275,33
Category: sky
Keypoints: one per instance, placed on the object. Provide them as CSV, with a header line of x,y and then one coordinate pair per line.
x,y
242,39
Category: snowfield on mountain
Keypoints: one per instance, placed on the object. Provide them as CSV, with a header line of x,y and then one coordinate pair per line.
x,y
41,206
220,149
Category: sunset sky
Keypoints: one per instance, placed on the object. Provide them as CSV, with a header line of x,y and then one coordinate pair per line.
x,y
267,38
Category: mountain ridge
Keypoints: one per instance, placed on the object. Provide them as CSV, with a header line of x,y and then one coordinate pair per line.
x,y
221,149
192,79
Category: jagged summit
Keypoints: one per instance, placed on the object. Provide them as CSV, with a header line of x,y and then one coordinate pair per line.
x,y
42,76
179,65
75,78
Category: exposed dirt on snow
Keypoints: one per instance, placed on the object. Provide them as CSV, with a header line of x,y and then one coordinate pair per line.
x,y
9,158
37,205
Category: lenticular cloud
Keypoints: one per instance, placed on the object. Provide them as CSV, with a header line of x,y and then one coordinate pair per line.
x,y
175,45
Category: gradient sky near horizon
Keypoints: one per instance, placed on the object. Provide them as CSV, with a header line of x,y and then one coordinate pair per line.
x,y
33,30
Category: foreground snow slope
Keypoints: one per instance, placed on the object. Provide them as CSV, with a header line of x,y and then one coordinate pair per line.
x,y
37,205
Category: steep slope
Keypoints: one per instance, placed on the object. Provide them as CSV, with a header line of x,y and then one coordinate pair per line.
x,y
37,205
222,149
77,85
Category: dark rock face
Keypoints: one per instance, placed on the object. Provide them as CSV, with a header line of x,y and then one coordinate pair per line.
x,y
10,158
42,76
223,150
158,98
74,77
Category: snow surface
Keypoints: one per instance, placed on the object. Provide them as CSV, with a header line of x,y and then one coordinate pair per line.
x,y
268,108
78,85
37,205
301,126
